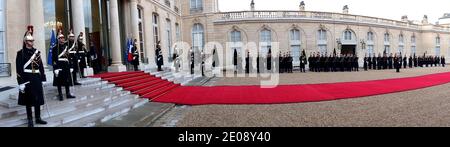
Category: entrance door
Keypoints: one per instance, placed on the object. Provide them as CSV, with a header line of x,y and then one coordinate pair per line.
x,y
348,49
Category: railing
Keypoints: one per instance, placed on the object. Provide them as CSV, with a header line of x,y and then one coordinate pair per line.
x,y
245,15
5,69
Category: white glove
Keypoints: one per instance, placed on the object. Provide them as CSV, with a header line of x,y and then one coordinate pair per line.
x,y
22,88
79,60
71,70
57,72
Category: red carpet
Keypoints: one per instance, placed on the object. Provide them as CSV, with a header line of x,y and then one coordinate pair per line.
x,y
163,91
140,83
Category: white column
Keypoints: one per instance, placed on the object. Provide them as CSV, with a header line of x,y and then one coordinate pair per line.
x,y
114,38
78,18
135,22
37,20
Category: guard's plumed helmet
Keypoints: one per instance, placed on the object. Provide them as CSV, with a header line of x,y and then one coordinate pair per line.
x,y
71,34
60,34
29,34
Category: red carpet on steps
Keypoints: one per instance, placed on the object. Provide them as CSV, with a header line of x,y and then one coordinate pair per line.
x,y
143,84
167,92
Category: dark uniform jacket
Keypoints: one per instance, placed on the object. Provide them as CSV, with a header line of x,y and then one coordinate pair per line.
x,y
62,64
32,73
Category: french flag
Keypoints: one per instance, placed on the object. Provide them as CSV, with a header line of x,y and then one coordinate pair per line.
x,y
130,53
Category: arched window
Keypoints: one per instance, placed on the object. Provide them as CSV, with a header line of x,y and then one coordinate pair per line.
x,y
413,44
295,45
370,36
197,37
438,46
322,40
169,38
401,43
236,40
370,44
235,36
265,40
387,47
155,29
348,35
141,34
386,38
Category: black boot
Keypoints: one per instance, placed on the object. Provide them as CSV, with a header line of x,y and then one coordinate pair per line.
x,y
40,121
29,116
30,123
60,97
37,115
69,96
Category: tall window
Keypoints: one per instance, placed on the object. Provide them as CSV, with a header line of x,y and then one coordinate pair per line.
x,y
236,38
295,44
386,38
197,37
348,35
178,31
266,40
401,43
387,47
322,40
196,5
413,44
155,29
2,32
370,45
438,46
141,34
370,36
169,38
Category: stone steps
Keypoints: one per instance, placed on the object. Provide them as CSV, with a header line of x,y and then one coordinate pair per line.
x,y
51,100
141,117
51,94
76,116
96,101
108,114
57,108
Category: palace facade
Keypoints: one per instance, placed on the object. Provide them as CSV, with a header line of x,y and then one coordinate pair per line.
x,y
200,24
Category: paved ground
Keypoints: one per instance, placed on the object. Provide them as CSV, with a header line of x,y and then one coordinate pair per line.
x,y
424,107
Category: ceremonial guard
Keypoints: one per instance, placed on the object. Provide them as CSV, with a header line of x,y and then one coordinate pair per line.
x,y
397,62
269,60
235,60
203,63
410,62
366,59
135,51
405,63
30,77
247,63
443,61
192,57
159,56
73,58
81,52
61,67
303,62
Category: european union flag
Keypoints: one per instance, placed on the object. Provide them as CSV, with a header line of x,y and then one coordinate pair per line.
x,y
53,42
